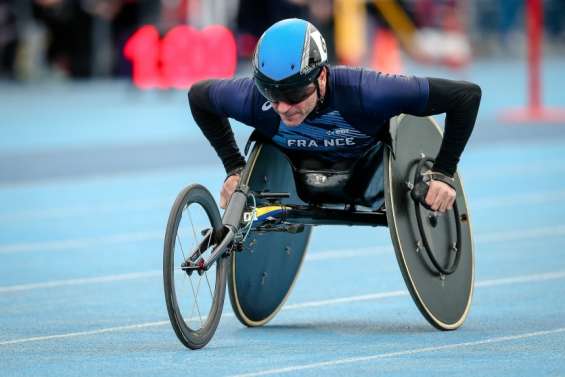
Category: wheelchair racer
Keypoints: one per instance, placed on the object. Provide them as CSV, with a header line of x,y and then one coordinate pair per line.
x,y
303,105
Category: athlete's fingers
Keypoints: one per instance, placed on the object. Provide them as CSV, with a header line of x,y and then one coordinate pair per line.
x,y
439,201
223,200
224,196
227,190
444,202
441,196
231,184
452,197
431,196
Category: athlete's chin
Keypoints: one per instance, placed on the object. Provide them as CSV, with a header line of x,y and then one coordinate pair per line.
x,y
293,120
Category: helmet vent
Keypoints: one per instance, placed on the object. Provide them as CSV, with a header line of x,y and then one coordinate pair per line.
x,y
292,66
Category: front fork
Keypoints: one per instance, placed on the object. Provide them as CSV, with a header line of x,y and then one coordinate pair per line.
x,y
226,235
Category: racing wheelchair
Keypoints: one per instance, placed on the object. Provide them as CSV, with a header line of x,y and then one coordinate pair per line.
x,y
259,244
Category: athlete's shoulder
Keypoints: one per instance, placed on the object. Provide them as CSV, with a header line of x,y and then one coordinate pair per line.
x,y
349,85
364,78
377,91
345,77
241,100
238,89
345,87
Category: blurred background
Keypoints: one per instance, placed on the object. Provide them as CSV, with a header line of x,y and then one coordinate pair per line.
x,y
80,39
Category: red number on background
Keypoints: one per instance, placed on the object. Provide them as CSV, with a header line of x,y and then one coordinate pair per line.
x,y
184,56
221,52
181,52
142,48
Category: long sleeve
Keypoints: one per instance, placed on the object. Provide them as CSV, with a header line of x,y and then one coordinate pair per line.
x,y
216,128
459,100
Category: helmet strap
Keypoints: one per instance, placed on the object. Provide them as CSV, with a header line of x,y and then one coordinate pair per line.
x,y
320,100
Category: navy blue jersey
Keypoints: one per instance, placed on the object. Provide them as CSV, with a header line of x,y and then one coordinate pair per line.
x,y
358,104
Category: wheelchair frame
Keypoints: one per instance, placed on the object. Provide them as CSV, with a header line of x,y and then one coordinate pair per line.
x,y
240,219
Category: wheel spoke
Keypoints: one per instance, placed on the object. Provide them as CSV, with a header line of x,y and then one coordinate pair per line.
x,y
196,301
209,287
180,244
192,310
206,272
179,236
195,305
192,226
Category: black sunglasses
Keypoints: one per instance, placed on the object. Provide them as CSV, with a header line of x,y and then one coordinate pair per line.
x,y
289,95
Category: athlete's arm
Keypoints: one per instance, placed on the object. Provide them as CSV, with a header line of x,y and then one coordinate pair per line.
x,y
384,96
459,100
216,128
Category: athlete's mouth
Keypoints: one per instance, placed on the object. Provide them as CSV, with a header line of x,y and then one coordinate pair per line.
x,y
291,115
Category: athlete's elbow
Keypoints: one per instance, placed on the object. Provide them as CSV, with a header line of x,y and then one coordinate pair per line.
x,y
197,90
198,95
475,93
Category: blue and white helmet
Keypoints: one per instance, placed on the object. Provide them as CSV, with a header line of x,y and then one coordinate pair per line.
x,y
289,56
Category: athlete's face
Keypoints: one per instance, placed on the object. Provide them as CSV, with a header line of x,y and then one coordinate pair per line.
x,y
293,114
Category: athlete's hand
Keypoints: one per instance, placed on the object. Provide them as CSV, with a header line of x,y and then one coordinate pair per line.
x,y
440,196
227,190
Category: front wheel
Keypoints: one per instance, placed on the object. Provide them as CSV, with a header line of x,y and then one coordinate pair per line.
x,y
195,298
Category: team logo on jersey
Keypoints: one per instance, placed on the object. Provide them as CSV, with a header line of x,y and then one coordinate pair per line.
x,y
338,131
267,106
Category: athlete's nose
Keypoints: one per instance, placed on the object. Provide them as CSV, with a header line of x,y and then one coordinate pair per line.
x,y
281,106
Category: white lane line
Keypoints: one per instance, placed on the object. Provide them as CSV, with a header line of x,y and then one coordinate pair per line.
x,y
554,275
335,362
81,281
346,300
85,333
318,256
84,210
521,234
528,199
524,170
521,279
348,253
80,243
